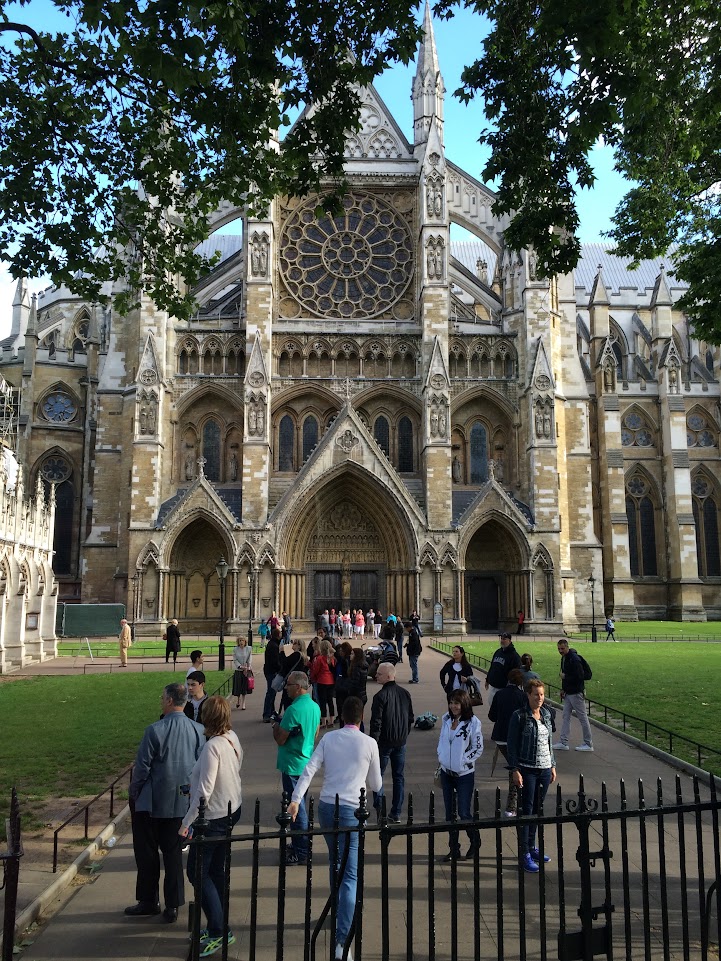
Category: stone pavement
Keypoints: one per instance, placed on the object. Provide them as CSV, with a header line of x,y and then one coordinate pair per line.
x,y
92,925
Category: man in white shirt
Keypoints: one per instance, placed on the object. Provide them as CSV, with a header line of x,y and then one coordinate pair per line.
x,y
350,762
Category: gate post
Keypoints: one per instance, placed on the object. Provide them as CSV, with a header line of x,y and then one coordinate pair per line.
x,y
590,941
11,874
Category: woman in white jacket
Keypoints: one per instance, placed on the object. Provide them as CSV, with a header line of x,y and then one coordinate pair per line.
x,y
459,746
215,777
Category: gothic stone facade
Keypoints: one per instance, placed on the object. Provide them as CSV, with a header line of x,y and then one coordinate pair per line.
x,y
366,412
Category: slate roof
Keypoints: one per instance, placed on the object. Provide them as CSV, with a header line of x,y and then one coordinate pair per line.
x,y
618,275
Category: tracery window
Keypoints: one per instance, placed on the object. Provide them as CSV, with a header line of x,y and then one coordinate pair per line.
x,y
381,432
56,470
286,444
58,407
310,436
479,454
211,449
641,516
706,516
405,446
635,431
698,431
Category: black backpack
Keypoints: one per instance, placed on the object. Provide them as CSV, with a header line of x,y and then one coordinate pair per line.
x,y
587,672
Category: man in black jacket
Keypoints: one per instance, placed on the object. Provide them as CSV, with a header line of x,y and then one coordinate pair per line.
x,y
271,666
574,698
503,662
391,721
414,648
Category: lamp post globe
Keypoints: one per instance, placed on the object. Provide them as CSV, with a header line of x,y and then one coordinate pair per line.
x,y
221,569
592,584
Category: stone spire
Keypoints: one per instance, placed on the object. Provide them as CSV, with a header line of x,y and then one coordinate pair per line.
x,y
428,88
21,309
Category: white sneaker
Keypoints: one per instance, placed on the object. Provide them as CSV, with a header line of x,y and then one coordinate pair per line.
x,y
561,747
509,814
339,953
584,747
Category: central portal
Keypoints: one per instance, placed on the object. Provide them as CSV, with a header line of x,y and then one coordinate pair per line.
x,y
348,588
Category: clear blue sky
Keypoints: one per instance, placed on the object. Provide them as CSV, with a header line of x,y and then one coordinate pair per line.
x,y
459,42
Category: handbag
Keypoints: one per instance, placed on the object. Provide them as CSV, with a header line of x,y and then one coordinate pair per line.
x,y
278,683
249,682
473,690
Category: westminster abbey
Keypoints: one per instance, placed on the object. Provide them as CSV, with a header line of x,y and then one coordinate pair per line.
x,y
366,411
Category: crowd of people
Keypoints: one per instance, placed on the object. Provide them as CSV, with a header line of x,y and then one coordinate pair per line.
x,y
192,753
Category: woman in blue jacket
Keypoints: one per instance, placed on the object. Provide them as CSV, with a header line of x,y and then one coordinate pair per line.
x,y
532,764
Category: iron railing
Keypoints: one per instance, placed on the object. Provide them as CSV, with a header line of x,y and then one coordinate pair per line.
x,y
618,719
621,883
11,874
85,811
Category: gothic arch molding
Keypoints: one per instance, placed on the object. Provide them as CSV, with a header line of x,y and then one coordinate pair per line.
x,y
178,527
204,390
516,536
483,392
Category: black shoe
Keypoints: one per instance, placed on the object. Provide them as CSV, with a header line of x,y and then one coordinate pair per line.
x,y
450,856
142,909
170,915
472,852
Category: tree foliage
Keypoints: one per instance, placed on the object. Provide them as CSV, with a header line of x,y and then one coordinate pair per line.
x,y
121,132
643,76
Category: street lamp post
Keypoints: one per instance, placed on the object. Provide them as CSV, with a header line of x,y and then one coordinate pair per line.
x,y
136,583
221,569
592,584
250,610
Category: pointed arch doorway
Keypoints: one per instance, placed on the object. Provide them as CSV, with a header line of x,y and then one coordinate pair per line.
x,y
190,589
496,577
353,547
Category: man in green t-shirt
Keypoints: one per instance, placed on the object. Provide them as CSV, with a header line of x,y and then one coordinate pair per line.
x,y
295,737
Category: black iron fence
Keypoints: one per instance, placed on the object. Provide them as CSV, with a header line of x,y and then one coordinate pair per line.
x,y
627,881
11,874
702,755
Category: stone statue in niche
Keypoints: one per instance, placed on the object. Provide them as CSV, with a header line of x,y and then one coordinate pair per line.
x,y
442,424
233,467
532,265
252,419
260,419
499,468
143,418
152,415
434,423
434,198
547,424
608,383
673,380
259,255
456,471
190,464
539,422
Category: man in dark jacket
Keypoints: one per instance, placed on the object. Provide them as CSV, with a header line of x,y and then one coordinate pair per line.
x,y
574,698
506,702
271,666
391,721
503,662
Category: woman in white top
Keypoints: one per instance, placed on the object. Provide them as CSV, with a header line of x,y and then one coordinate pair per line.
x,y
242,659
216,778
459,746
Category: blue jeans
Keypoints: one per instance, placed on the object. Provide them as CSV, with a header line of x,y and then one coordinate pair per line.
x,y
269,702
462,787
413,661
532,778
299,843
348,883
213,880
397,757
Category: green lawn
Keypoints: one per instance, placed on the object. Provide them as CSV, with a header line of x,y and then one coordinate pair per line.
x,y
644,630
143,647
70,736
673,685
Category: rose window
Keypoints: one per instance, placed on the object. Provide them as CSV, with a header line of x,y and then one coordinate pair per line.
x,y
55,469
357,263
58,407
635,431
698,433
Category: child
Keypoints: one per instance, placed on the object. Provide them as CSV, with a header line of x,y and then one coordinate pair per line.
x,y
263,632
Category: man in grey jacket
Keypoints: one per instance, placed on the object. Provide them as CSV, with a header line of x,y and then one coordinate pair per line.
x,y
159,794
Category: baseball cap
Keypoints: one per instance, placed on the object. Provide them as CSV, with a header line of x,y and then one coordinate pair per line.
x,y
503,636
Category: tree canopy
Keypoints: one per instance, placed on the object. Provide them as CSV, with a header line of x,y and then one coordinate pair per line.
x,y
122,132
644,77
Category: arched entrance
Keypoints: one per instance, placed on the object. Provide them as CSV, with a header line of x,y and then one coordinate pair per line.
x,y
353,547
496,584
191,587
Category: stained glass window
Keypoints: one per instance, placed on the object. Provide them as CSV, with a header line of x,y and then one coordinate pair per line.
x,y
405,445
641,516
211,450
286,443
705,514
381,433
479,454
310,436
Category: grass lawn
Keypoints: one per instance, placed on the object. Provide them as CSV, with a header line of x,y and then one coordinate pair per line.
x,y
673,685
142,647
70,736
643,630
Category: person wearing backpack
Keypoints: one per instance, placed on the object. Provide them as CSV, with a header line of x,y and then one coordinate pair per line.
x,y
574,673
610,629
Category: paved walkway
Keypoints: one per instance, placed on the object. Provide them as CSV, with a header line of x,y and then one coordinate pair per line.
x,y
92,925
